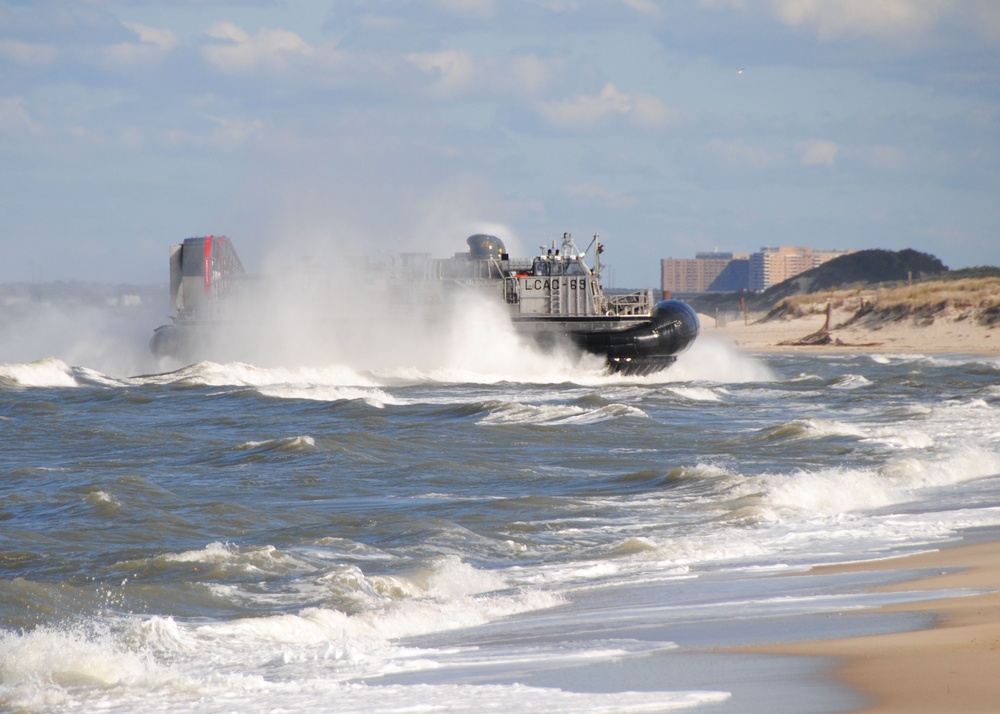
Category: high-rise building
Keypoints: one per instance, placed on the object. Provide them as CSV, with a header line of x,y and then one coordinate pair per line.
x,y
729,272
734,277
706,272
775,265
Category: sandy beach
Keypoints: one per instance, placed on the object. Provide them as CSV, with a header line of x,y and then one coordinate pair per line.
x,y
944,335
952,666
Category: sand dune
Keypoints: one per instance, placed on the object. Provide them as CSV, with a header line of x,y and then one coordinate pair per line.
x,y
936,316
909,336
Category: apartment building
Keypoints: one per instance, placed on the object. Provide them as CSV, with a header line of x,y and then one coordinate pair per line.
x,y
706,272
731,272
771,266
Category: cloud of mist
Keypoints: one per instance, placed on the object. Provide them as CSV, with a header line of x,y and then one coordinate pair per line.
x,y
382,312
101,330
321,246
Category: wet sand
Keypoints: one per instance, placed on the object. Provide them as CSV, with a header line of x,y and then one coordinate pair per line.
x,y
949,667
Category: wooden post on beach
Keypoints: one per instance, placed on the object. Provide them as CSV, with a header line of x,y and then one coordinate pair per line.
x,y
743,309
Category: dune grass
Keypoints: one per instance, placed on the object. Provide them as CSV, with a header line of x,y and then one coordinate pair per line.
x,y
923,302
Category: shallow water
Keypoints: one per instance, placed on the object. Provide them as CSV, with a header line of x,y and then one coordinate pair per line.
x,y
532,535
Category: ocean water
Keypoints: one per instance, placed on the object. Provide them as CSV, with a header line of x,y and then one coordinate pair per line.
x,y
499,531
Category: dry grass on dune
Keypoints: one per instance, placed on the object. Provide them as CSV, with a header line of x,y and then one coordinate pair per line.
x,y
975,299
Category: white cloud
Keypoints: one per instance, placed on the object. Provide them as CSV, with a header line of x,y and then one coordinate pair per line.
x,y
886,157
153,43
877,18
524,75
468,8
227,31
456,72
737,4
590,111
644,7
222,133
131,137
899,20
650,112
816,152
28,53
454,69
14,118
238,51
232,131
737,154
163,39
528,73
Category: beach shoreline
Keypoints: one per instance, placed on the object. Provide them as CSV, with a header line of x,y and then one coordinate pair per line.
x,y
947,667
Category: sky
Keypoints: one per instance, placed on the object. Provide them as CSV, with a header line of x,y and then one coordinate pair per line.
x,y
338,128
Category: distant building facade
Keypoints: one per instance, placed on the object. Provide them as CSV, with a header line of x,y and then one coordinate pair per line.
x,y
729,272
775,265
706,272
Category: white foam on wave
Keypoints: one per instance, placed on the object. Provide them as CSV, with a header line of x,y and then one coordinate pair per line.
x,y
699,472
698,394
851,381
242,374
290,443
964,464
55,670
329,384
937,360
274,661
971,421
374,397
824,493
85,375
891,436
837,492
942,428
281,661
815,428
338,382
229,560
450,595
51,669
690,552
806,377
43,373
558,414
